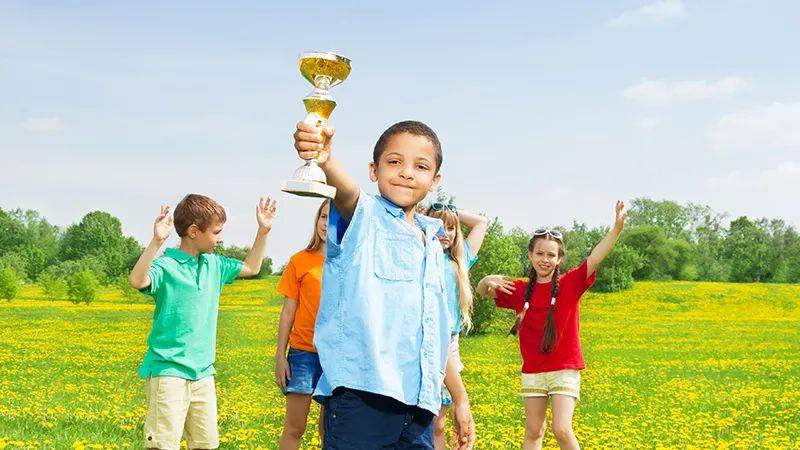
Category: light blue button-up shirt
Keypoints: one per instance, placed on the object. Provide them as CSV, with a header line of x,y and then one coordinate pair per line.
x,y
383,324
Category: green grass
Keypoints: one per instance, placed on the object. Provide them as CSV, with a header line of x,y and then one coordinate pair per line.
x,y
670,365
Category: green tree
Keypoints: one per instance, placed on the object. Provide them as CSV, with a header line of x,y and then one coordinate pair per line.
x,y
99,234
30,238
746,248
668,216
54,287
82,286
9,283
240,253
616,271
127,291
501,253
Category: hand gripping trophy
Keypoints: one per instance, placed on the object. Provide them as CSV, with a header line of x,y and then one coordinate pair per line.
x,y
324,70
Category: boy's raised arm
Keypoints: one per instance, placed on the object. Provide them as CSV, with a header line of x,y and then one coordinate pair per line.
x,y
265,215
139,278
312,142
605,246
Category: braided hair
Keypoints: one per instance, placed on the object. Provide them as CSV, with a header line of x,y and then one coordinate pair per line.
x,y
549,336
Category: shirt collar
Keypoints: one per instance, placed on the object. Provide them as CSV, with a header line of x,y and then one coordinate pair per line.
x,y
178,255
391,207
430,225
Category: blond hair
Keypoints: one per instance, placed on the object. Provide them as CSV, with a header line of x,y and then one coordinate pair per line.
x,y
457,253
316,241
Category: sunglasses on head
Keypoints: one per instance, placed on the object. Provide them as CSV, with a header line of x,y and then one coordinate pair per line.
x,y
440,206
545,231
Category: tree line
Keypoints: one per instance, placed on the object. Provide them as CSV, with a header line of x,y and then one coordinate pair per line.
x,y
73,262
664,240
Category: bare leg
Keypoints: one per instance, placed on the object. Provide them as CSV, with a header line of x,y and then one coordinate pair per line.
x,y
535,413
563,409
297,406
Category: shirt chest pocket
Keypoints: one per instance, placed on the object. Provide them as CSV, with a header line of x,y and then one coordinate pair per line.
x,y
397,257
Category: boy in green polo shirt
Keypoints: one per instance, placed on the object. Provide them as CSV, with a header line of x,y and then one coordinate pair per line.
x,y
186,283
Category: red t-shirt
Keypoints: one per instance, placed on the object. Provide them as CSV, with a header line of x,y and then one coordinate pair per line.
x,y
567,352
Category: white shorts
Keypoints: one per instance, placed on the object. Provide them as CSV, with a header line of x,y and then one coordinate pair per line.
x,y
545,384
178,408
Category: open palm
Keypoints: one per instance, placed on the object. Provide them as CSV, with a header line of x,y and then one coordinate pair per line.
x,y
163,225
265,213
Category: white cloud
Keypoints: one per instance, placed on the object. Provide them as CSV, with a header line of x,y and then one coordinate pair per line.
x,y
42,124
663,93
648,123
656,12
785,177
759,128
768,192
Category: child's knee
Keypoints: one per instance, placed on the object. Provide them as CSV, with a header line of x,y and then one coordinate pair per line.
x,y
562,430
535,431
295,426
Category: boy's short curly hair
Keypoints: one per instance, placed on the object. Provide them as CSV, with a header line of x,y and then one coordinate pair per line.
x,y
199,210
412,127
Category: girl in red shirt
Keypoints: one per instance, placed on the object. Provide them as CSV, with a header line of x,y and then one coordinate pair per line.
x,y
548,326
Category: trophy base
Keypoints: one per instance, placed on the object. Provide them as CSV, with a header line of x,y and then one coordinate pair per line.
x,y
308,189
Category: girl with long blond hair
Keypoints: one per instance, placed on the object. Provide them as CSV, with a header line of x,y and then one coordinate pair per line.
x,y
460,254
298,372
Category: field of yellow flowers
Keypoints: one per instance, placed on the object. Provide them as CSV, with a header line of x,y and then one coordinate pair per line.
x,y
670,365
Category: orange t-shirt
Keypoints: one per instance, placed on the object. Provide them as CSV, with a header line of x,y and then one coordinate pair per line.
x,y
302,281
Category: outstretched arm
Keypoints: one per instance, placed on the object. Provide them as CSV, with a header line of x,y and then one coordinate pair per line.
x,y
139,278
605,246
490,285
312,142
265,215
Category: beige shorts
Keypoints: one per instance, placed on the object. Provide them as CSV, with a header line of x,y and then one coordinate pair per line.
x,y
178,408
544,384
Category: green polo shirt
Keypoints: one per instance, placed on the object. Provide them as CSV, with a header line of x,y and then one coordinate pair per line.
x,y
186,290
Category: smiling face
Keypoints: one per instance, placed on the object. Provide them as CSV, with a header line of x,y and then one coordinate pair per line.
x,y
406,170
545,255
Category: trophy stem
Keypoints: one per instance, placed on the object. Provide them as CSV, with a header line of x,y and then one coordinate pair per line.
x,y
323,70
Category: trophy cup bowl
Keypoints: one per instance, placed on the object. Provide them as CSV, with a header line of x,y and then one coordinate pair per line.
x,y
323,70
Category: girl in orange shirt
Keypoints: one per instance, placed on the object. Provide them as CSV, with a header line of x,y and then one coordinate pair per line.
x,y
297,374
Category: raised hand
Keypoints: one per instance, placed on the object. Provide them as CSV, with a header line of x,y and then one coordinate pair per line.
x,y
621,215
265,213
163,225
312,142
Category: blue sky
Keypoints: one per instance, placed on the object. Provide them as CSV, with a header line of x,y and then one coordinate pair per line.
x,y
547,111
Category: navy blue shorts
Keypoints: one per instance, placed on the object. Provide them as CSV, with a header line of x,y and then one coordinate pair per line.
x,y
358,420
305,371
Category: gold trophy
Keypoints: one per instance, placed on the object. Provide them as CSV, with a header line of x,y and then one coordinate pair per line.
x,y
324,70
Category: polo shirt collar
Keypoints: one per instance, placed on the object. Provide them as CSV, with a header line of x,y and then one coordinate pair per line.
x,y
178,255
